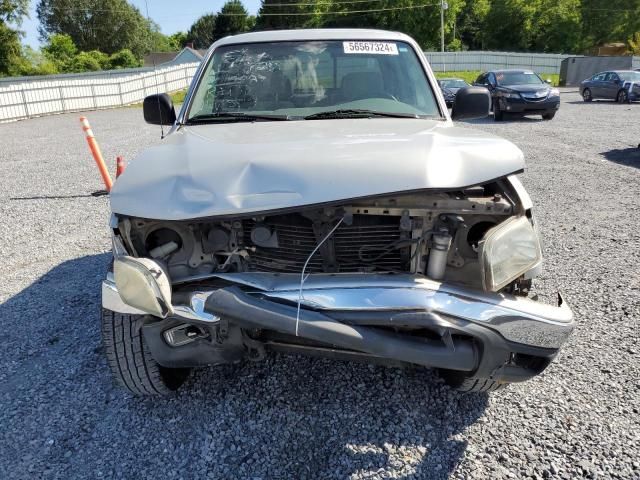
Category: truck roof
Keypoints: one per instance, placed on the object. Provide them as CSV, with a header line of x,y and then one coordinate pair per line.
x,y
313,34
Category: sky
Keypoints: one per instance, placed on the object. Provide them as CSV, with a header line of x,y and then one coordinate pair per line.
x,y
171,15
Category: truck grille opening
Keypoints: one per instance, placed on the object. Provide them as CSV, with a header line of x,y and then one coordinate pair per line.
x,y
363,246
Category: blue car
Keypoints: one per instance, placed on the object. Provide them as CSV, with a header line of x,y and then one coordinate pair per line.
x,y
622,86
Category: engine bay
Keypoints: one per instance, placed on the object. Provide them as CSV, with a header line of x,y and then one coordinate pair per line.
x,y
436,234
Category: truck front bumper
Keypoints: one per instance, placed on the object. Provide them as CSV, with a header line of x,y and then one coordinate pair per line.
x,y
380,315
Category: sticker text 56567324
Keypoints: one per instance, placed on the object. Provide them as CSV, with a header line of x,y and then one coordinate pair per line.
x,y
376,48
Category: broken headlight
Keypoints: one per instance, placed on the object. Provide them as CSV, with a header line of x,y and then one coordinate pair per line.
x,y
507,251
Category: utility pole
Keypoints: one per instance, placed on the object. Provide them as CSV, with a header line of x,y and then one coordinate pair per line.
x,y
443,6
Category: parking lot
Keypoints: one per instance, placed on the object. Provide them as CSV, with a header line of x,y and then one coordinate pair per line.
x,y
292,417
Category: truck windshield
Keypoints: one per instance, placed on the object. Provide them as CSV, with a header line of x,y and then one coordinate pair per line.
x,y
295,80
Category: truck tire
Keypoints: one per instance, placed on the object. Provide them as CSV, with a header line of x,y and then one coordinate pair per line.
x,y
130,361
464,384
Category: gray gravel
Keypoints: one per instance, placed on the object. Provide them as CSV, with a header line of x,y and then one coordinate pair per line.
x,y
289,417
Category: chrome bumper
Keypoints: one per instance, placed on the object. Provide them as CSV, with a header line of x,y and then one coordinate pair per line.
x,y
517,319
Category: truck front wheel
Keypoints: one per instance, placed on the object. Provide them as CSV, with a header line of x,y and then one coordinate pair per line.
x,y
462,383
130,361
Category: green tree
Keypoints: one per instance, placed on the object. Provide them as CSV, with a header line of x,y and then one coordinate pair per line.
x,y
634,44
609,21
558,27
233,18
273,14
177,41
251,22
158,42
9,50
105,25
61,51
201,32
414,17
85,62
11,12
471,24
534,25
90,62
36,63
123,59
510,24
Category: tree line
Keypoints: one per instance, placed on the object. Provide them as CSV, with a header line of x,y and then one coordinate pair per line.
x,y
83,35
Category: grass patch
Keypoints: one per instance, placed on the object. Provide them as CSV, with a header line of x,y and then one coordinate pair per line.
x,y
178,97
470,76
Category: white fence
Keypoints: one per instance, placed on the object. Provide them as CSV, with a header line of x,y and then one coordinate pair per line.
x,y
28,97
483,61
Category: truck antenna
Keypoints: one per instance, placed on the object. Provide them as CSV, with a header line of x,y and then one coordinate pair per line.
x,y
155,75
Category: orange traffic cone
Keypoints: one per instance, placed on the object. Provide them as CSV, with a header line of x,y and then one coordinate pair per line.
x,y
97,154
120,166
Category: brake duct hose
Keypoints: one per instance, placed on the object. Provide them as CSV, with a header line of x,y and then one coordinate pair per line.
x,y
249,311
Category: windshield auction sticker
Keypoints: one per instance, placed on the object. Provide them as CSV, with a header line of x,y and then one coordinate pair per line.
x,y
376,48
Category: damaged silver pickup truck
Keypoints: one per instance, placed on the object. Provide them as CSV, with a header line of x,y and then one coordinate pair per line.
x,y
314,196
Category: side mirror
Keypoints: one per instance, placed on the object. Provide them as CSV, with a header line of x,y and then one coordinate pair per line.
x,y
548,81
158,109
471,102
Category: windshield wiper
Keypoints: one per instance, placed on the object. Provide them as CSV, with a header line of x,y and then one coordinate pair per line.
x,y
357,113
235,117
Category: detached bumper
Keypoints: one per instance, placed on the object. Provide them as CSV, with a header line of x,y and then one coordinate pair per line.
x,y
469,330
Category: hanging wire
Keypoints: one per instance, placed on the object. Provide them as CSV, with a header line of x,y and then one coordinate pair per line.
x,y
319,3
303,278
346,12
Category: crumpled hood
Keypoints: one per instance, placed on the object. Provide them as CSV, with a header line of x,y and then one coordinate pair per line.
x,y
235,168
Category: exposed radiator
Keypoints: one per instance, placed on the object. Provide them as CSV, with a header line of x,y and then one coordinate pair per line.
x,y
367,238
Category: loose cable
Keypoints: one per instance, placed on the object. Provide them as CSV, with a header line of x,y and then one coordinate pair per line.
x,y
303,278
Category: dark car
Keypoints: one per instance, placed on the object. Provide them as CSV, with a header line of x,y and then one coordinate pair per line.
x,y
450,87
620,85
520,91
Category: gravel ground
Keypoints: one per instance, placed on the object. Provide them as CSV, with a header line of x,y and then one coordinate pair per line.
x,y
291,417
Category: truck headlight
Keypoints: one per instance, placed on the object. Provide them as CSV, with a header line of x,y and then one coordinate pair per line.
x,y
507,251
143,284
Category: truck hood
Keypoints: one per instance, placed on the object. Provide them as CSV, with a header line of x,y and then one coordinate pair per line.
x,y
235,168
